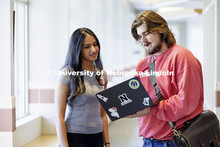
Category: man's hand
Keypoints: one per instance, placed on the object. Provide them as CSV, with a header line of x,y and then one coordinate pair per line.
x,y
141,113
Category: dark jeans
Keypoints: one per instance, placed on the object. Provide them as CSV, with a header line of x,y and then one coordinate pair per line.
x,y
148,142
85,140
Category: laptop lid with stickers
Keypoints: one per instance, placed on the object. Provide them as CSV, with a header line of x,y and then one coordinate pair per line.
x,y
124,99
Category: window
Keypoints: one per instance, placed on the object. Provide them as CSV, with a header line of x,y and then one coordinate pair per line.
x,y
20,57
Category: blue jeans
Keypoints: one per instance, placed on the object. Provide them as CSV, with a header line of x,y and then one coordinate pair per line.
x,y
148,142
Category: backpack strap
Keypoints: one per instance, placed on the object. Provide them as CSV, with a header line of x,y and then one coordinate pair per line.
x,y
154,82
157,90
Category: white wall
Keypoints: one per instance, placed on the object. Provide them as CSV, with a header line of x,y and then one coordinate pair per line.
x,y
48,38
209,54
194,37
6,48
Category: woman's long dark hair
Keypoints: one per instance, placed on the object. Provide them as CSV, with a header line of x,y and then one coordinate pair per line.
x,y
74,63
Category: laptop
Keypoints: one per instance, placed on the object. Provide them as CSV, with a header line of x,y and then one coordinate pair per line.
x,y
124,99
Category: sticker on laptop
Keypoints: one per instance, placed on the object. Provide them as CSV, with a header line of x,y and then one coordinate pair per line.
x,y
134,84
114,112
146,101
124,99
105,99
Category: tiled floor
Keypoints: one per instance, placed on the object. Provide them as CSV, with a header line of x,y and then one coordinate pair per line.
x,y
123,133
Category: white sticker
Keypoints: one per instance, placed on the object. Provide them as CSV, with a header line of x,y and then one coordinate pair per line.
x,y
114,112
105,99
124,99
146,101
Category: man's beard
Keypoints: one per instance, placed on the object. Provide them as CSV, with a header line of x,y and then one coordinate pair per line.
x,y
155,49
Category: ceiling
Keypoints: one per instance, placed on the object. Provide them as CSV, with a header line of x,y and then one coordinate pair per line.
x,y
170,9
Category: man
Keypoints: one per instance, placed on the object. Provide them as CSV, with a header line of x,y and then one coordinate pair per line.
x,y
182,90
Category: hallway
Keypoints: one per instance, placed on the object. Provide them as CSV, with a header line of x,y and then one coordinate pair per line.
x,y
36,35
123,133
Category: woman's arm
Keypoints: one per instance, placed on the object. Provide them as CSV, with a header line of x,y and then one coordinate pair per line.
x,y
60,107
105,125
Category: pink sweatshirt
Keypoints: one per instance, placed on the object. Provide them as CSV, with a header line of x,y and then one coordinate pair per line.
x,y
182,90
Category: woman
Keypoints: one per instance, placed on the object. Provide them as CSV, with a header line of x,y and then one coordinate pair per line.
x,y
85,123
